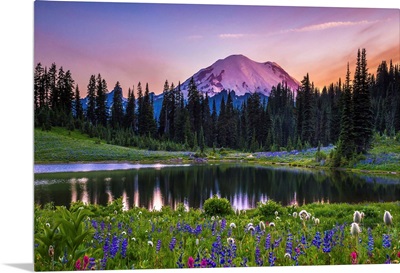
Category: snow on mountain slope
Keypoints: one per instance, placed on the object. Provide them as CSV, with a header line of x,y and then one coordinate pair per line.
x,y
239,73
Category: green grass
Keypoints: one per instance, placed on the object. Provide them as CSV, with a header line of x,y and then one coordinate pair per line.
x,y
119,239
61,145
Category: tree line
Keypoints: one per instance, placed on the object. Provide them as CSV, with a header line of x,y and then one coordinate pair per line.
x,y
344,114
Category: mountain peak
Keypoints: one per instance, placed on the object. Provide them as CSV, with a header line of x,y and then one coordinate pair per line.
x,y
240,74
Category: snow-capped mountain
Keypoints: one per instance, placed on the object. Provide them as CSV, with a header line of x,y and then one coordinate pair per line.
x,y
239,73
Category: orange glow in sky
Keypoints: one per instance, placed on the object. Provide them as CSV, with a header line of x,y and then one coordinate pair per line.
x,y
151,43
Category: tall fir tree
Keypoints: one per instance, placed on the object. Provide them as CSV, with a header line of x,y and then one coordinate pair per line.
x,y
117,111
130,111
78,105
91,96
101,106
346,138
363,125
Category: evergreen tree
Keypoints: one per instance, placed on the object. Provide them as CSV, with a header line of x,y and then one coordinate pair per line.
x,y
130,111
307,126
117,111
362,105
163,121
101,106
65,86
38,87
193,106
78,104
214,125
346,138
52,88
91,105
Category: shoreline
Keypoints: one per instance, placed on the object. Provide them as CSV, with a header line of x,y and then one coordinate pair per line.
x,y
222,161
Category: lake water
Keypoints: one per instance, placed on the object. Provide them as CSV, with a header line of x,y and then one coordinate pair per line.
x,y
153,186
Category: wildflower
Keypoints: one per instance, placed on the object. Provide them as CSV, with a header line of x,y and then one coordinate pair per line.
x,y
258,258
272,224
386,242
304,215
48,225
355,229
190,262
172,243
370,242
387,218
357,217
278,218
212,218
78,264
261,225
123,233
51,251
268,241
276,213
398,254
230,241
251,228
317,240
150,243
158,247
114,246
271,259
287,255
232,225
124,247
197,242
203,263
316,221
92,264
294,214
353,256
289,244
133,239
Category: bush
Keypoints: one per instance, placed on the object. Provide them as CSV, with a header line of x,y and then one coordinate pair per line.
x,y
267,210
217,206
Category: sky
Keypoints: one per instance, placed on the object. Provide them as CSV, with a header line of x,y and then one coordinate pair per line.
x,y
151,43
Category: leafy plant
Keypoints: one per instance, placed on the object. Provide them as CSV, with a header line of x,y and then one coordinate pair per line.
x,y
217,206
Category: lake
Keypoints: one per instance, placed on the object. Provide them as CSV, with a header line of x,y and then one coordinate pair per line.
x,y
244,185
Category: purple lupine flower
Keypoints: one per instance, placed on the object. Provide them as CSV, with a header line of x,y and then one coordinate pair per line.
x,y
92,263
223,224
198,230
119,225
289,244
386,242
268,241
271,259
114,246
124,246
158,247
106,247
277,242
370,246
103,263
94,224
317,240
259,261
327,242
172,243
